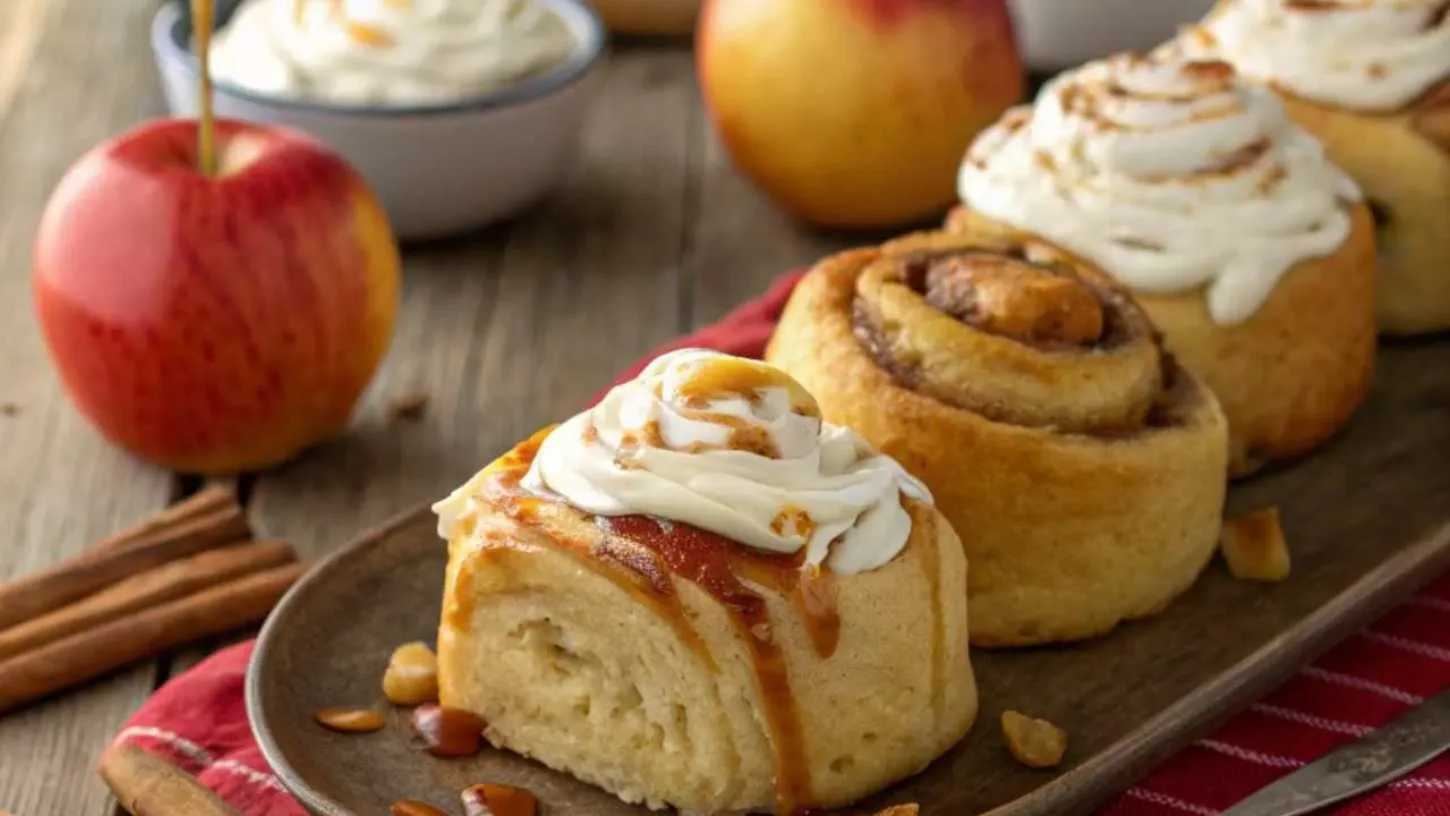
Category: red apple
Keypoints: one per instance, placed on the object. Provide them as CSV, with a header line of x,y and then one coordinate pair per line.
x,y
856,113
215,324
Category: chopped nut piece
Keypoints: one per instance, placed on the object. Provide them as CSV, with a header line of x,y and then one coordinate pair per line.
x,y
350,720
412,675
409,407
1033,742
412,807
499,800
448,732
1253,545
901,810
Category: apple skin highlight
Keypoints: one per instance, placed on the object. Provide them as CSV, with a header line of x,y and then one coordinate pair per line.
x,y
215,324
855,114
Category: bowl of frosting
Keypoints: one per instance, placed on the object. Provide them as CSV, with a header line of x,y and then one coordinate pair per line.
x,y
458,113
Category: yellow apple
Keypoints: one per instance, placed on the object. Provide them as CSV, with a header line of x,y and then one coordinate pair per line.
x,y
856,113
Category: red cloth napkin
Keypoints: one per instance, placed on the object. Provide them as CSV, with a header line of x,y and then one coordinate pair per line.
x,y
198,721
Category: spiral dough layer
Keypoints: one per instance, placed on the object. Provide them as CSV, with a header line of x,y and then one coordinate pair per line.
x,y
1083,469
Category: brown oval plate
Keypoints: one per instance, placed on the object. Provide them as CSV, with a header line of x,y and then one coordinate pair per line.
x,y
1127,701
326,645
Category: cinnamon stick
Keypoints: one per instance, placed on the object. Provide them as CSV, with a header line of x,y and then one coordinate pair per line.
x,y
96,651
147,785
145,590
201,503
43,592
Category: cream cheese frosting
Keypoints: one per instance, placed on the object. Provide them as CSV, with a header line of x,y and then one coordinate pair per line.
x,y
387,52
1362,54
735,447
1169,173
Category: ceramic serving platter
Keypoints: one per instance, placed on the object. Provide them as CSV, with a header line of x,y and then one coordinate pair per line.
x,y
1368,521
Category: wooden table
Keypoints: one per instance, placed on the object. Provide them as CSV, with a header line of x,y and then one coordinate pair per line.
x,y
653,233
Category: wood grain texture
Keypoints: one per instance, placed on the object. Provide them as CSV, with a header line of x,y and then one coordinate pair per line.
x,y
738,240
516,327
72,72
1366,521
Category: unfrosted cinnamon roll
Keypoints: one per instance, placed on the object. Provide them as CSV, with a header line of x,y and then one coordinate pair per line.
x,y
698,595
1083,470
1371,79
1245,245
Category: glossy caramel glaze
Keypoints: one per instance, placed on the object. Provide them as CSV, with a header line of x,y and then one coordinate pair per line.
x,y
734,377
644,555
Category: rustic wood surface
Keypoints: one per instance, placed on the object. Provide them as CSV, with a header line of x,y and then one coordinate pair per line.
x,y
501,332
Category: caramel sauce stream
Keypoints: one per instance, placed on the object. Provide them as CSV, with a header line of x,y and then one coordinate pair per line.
x,y
203,22
643,554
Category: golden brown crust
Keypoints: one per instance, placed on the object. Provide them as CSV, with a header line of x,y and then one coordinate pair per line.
x,y
581,652
1404,170
1067,534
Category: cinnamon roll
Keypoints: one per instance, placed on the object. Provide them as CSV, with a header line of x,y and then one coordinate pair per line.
x,y
1249,249
1082,468
1371,79
699,595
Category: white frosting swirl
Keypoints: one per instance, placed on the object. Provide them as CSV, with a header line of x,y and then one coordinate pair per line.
x,y
387,52
651,446
1170,174
1366,54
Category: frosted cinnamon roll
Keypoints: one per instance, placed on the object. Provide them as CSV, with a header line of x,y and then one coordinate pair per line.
x,y
1082,468
1370,79
1247,247
698,595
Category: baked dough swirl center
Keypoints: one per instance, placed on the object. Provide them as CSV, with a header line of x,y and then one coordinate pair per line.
x,y
1011,328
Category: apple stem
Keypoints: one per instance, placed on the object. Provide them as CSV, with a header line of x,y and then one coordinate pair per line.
x,y
202,23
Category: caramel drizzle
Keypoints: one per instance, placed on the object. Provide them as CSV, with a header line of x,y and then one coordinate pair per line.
x,y
361,33
731,377
643,554
744,436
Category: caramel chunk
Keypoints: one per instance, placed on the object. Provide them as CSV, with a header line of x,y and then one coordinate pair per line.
x,y
412,675
350,720
448,732
499,800
1033,742
1016,299
911,809
1254,547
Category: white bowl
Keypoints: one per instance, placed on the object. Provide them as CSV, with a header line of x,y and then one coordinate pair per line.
x,y
1060,34
437,170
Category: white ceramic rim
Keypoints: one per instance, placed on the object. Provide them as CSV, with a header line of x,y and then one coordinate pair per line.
x,y
170,41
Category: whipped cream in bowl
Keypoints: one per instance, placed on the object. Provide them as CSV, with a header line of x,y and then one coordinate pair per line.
x,y
458,113
1373,55
387,53
732,446
1171,173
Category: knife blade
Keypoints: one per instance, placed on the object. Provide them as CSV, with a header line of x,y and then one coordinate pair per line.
x,y
1376,759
